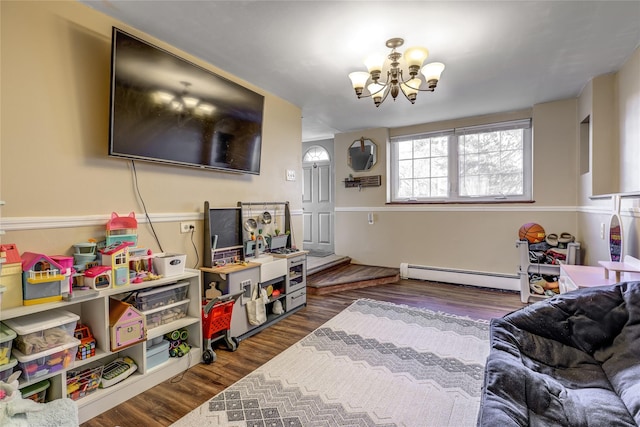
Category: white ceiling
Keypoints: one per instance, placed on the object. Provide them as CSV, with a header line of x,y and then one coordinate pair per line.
x,y
500,56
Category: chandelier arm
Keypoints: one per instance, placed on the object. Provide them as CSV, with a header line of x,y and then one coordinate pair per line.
x,y
387,89
405,82
405,95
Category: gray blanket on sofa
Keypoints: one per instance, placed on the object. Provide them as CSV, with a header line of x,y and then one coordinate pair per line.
x,y
572,360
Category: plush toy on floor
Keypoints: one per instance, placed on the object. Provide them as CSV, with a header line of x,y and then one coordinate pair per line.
x,y
17,412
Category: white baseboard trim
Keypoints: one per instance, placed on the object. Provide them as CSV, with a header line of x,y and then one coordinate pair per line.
x,y
461,277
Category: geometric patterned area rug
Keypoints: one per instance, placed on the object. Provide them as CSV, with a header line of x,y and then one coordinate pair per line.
x,y
373,364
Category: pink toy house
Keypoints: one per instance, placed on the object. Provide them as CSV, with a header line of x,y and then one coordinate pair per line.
x,y
116,256
126,324
98,277
67,264
11,276
41,279
122,229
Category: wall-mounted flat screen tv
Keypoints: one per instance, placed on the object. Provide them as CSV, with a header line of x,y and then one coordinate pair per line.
x,y
166,109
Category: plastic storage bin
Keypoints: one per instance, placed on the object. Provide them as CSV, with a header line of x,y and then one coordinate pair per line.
x,y
83,382
7,369
162,315
42,331
7,336
169,264
36,392
34,366
157,354
159,297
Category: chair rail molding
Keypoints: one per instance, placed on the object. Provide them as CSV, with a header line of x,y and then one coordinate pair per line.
x,y
51,222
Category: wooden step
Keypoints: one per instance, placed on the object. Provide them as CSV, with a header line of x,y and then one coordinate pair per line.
x,y
350,276
336,261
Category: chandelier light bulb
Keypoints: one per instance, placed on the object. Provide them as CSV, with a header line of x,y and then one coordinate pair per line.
x,y
359,80
414,57
411,88
396,72
205,109
162,97
432,72
377,93
374,63
190,101
176,105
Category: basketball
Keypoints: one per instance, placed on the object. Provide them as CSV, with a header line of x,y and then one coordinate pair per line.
x,y
532,232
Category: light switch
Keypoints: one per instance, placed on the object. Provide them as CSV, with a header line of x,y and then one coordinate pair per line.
x,y
291,175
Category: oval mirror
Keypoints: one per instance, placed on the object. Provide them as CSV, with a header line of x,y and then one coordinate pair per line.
x,y
615,238
362,154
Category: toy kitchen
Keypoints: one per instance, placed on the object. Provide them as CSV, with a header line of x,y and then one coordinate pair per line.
x,y
251,254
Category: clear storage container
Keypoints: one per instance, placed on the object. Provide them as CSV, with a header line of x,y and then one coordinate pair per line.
x,y
42,331
7,335
161,296
34,366
7,369
162,315
36,392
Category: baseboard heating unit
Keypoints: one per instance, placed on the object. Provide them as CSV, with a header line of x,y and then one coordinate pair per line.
x,y
460,277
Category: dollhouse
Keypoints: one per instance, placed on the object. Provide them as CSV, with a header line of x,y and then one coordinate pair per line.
x,y
122,229
126,324
11,276
116,255
41,279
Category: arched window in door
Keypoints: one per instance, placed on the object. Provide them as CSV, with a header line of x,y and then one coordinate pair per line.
x,y
316,153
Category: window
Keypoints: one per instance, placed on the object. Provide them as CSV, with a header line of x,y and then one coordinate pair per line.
x,y
480,163
316,154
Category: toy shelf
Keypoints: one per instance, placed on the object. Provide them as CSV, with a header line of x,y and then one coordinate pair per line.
x,y
94,313
526,267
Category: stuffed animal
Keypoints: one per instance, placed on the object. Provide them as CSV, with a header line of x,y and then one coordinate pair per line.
x,y
11,401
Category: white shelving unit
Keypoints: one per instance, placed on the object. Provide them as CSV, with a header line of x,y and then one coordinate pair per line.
x,y
526,267
94,312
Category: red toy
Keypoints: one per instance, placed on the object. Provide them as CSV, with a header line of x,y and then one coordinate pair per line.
x,y
87,347
216,324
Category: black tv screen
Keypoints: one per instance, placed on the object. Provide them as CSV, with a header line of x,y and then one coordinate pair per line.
x,y
166,109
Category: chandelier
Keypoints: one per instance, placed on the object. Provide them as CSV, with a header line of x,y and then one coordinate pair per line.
x,y
183,102
396,81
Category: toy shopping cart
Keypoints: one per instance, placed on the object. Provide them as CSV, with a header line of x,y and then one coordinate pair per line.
x,y
216,324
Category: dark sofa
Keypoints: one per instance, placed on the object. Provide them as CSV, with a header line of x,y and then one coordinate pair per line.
x,y
571,360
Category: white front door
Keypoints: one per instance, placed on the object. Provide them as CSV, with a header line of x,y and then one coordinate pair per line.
x,y
318,196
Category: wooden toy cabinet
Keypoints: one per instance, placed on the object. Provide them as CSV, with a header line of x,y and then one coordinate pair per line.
x,y
94,313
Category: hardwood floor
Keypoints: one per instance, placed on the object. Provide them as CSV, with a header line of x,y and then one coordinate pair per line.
x,y
167,402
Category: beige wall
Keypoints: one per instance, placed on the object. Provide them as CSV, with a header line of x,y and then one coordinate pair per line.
x,y
615,145
628,107
468,237
55,65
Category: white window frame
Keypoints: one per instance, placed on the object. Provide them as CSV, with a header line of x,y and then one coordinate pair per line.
x,y
453,162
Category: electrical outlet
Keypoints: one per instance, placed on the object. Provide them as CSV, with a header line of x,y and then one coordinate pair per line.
x,y
291,175
187,226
